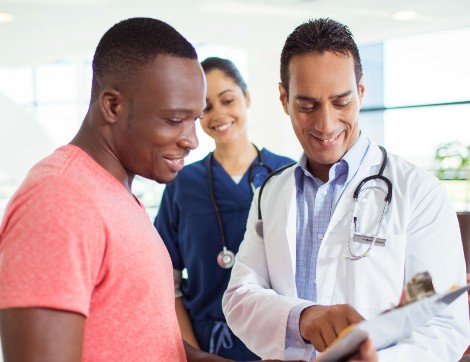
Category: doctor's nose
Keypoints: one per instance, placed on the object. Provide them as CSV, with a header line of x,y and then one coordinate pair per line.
x,y
325,120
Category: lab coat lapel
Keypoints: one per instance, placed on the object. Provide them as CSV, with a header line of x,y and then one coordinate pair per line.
x,y
281,228
334,243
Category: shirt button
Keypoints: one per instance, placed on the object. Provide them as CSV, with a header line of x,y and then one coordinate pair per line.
x,y
324,192
320,236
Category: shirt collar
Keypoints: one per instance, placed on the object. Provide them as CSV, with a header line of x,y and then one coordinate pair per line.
x,y
355,155
349,163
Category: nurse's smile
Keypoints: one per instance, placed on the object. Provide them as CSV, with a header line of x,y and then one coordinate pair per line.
x,y
223,127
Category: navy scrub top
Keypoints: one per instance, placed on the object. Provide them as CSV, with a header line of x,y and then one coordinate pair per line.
x,y
187,223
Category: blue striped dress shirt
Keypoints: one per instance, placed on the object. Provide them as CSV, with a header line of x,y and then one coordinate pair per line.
x,y
316,202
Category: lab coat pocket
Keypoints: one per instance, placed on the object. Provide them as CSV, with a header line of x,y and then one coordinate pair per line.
x,y
373,283
384,269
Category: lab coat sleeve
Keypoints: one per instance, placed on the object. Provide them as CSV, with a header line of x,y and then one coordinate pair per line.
x,y
255,312
434,245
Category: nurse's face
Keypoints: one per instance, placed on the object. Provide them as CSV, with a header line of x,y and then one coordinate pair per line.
x,y
225,116
323,104
155,127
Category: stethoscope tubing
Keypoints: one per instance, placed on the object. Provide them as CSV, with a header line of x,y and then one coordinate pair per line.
x,y
259,163
379,176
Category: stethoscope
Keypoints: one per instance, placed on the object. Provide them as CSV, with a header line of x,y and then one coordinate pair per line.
x,y
226,258
354,220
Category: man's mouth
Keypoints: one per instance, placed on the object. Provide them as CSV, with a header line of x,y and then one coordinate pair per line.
x,y
327,140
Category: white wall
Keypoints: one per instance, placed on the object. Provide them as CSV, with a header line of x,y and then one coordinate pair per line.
x,y
22,143
270,127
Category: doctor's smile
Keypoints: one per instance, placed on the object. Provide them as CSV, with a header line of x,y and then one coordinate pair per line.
x,y
328,141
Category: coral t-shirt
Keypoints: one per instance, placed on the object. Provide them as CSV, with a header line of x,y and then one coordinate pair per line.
x,y
74,239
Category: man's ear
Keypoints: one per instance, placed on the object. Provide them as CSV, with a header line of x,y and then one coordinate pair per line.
x,y
110,104
361,89
283,97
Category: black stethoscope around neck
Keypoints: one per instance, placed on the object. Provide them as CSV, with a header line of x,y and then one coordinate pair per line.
x,y
388,197
226,258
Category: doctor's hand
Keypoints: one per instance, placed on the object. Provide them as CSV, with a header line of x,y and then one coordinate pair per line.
x,y
322,324
366,353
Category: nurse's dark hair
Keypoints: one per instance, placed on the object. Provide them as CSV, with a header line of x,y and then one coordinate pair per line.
x,y
130,45
319,36
227,67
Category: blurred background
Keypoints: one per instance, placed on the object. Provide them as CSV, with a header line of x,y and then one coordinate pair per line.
x,y
415,54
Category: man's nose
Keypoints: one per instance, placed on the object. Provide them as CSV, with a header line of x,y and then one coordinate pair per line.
x,y
189,139
325,120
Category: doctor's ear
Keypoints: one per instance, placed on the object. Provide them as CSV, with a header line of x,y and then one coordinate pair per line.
x,y
283,97
361,89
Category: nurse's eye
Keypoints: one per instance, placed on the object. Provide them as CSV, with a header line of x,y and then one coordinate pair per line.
x,y
208,108
226,102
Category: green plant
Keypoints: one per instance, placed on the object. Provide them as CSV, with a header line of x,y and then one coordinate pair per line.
x,y
452,161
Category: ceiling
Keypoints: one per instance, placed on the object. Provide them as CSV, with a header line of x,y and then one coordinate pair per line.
x,y
45,30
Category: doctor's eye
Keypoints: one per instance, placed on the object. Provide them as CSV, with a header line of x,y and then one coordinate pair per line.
x,y
306,105
342,105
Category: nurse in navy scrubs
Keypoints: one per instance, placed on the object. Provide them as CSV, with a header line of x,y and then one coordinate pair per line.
x,y
202,217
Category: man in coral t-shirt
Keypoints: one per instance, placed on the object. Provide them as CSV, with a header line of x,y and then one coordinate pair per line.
x,y
83,274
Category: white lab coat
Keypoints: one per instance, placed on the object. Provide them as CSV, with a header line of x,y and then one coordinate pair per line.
x,y
421,232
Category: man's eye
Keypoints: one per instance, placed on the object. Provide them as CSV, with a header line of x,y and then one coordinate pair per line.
x,y
343,104
307,107
175,120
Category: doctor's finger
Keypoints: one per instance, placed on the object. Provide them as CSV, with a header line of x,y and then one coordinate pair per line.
x,y
317,341
367,353
329,335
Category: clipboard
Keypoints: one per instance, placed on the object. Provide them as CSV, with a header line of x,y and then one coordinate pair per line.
x,y
389,328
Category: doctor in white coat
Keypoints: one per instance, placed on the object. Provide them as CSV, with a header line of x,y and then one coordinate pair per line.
x,y
308,273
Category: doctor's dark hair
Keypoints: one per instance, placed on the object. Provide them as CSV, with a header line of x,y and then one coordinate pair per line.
x,y
131,44
319,36
227,67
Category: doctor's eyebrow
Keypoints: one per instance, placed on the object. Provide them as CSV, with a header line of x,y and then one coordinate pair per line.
x,y
314,99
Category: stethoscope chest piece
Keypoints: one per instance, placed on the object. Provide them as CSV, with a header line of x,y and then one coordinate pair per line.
x,y
226,258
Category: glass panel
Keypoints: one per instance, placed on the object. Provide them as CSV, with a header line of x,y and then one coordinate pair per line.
x,y
60,121
57,82
17,84
427,69
416,133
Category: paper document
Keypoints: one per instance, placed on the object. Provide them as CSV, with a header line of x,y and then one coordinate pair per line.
x,y
390,327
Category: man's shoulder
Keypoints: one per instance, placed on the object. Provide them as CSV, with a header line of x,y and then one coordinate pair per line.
x,y
407,169
282,177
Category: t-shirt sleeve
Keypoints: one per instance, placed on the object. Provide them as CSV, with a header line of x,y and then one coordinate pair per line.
x,y
52,245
